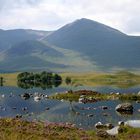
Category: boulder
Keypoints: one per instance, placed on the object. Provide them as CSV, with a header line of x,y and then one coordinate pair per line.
x,y
139,93
124,107
121,123
109,126
99,125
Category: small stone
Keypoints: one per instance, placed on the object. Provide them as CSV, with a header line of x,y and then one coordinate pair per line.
x,y
111,93
104,107
90,115
77,113
47,108
14,108
18,116
24,108
25,96
2,95
109,125
139,93
46,96
120,123
37,98
117,93
105,114
137,102
99,125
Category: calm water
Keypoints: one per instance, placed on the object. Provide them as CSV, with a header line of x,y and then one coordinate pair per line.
x,y
64,111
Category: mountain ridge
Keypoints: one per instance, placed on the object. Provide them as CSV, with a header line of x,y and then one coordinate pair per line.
x,y
94,45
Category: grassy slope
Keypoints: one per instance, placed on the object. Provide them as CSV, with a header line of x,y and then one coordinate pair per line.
x,y
121,79
15,129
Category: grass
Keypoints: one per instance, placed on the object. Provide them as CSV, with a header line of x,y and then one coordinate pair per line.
x,y
127,132
122,79
16,129
10,79
92,97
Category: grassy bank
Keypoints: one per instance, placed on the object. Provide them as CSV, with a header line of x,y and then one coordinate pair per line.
x,y
16,129
10,79
121,79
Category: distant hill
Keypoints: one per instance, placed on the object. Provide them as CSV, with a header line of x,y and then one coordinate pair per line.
x,y
27,55
107,47
9,38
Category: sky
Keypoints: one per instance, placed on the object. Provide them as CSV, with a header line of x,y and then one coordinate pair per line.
x,y
123,15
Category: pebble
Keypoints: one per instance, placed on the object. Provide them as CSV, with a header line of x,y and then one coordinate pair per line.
x,y
14,108
37,98
104,107
138,102
24,108
47,108
18,116
120,123
90,115
2,95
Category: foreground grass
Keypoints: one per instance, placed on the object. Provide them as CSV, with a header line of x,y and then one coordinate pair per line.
x,y
16,129
126,133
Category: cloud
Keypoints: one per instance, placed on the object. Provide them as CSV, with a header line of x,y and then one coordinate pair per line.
x,y
52,14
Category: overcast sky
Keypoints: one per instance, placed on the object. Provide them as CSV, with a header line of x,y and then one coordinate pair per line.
x,y
52,14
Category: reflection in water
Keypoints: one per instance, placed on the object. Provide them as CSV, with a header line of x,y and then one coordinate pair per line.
x,y
1,81
43,85
83,115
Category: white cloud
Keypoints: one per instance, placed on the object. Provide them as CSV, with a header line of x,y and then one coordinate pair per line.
x,y
52,14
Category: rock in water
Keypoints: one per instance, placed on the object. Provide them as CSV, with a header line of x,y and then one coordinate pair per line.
x,y
124,107
25,96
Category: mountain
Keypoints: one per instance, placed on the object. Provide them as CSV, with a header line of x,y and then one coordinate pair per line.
x,y
83,45
108,48
28,55
9,38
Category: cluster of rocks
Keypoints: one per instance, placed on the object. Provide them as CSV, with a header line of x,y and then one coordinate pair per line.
x,y
100,125
87,100
37,96
108,130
